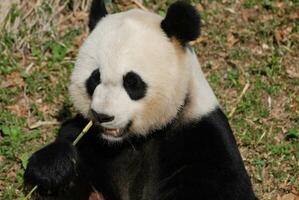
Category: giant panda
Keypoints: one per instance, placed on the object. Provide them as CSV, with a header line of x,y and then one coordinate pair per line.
x,y
159,132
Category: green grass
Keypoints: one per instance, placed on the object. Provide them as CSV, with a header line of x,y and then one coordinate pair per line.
x,y
38,50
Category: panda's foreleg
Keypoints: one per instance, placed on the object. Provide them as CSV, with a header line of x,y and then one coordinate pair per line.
x,y
55,169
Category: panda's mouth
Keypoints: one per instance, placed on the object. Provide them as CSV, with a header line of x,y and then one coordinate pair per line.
x,y
114,132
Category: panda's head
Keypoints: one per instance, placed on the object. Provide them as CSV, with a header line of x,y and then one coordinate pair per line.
x,y
131,75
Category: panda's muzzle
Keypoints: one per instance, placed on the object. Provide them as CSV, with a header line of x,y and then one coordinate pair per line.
x,y
104,118
101,118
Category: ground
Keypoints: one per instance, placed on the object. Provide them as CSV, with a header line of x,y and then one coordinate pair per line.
x,y
248,49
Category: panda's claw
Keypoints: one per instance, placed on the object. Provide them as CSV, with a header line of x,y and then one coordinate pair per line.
x,y
52,169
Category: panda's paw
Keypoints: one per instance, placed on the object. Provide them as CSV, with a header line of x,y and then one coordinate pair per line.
x,y
52,169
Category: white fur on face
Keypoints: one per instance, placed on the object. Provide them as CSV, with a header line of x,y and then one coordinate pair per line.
x,y
134,41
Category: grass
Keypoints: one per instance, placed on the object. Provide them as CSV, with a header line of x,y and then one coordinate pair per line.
x,y
242,42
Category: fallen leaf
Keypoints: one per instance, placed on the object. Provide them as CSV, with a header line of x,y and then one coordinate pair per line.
x,y
12,174
265,46
249,14
281,34
78,40
280,5
294,107
288,197
230,10
20,108
199,7
80,15
293,72
12,80
294,15
266,17
2,158
278,36
231,40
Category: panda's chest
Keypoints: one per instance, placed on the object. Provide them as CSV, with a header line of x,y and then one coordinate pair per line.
x,y
134,172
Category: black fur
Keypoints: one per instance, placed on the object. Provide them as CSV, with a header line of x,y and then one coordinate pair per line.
x,y
134,85
97,11
53,167
93,81
199,161
182,22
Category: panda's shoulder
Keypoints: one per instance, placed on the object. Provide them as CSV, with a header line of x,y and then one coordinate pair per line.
x,y
214,121
211,130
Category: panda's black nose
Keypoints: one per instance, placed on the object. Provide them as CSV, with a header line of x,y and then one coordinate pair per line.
x,y
100,117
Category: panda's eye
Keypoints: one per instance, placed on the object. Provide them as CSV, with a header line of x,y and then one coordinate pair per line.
x,y
134,85
93,81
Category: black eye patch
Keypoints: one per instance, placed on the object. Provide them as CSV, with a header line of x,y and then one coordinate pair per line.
x,y
134,85
93,81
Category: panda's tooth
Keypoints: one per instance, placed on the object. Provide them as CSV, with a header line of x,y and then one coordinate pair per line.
x,y
112,131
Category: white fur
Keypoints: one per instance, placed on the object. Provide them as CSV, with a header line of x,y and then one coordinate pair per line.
x,y
134,41
202,98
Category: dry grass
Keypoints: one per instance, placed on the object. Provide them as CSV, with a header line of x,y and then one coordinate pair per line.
x,y
244,43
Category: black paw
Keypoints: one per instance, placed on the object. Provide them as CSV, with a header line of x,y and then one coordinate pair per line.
x,y
52,169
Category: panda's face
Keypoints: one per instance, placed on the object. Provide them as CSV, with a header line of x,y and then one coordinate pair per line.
x,y
129,77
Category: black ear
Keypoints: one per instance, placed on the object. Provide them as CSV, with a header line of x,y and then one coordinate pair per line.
x,y
182,21
97,11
